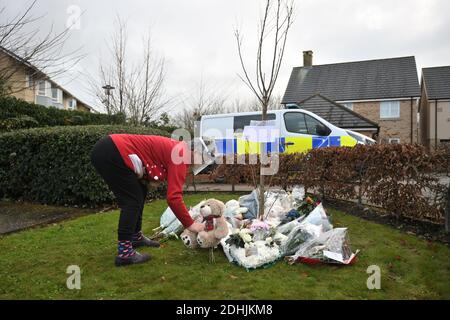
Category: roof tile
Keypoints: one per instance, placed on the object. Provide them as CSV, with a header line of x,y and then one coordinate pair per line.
x,y
335,113
361,80
437,81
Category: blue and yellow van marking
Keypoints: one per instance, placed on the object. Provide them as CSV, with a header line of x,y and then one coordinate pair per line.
x,y
282,145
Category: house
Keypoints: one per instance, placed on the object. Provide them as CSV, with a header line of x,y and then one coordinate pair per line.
x,y
339,115
28,83
434,107
384,91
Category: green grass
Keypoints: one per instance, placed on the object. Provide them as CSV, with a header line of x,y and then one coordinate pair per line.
x,y
33,266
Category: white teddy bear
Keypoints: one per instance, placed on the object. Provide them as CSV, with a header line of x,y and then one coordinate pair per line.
x,y
234,213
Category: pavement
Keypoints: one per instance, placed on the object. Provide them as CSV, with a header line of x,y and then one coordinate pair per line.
x,y
16,216
222,187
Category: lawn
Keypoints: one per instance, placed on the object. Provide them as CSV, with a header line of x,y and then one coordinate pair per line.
x,y
33,265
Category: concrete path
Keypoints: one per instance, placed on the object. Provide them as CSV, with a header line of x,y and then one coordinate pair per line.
x,y
222,187
20,215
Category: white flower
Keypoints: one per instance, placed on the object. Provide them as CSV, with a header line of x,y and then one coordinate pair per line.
x,y
244,231
246,237
269,239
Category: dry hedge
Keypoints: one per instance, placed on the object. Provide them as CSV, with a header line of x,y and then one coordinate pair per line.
x,y
403,179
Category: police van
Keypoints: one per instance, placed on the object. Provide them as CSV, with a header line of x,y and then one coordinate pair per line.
x,y
299,131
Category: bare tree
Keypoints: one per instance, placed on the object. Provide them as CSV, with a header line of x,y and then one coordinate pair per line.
x,y
144,90
21,39
240,105
117,71
273,30
203,101
138,86
275,102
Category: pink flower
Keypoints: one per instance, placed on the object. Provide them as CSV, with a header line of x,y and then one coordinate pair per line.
x,y
259,225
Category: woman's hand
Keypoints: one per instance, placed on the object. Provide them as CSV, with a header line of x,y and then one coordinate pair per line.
x,y
196,227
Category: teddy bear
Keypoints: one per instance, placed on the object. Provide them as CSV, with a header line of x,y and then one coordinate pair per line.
x,y
216,227
234,213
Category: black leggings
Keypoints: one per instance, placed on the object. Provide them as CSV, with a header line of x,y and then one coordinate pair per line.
x,y
129,191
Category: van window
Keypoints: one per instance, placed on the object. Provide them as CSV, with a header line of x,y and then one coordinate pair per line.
x,y
217,127
297,122
315,125
241,121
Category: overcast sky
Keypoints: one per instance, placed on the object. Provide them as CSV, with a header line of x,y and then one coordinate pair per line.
x,y
196,36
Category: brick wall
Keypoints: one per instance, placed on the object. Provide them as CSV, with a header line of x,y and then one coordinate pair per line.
x,y
442,108
17,81
391,128
424,118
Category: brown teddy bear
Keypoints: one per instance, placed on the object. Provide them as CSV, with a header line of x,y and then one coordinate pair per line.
x,y
216,227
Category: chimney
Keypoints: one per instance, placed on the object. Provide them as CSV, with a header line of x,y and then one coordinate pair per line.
x,y
307,58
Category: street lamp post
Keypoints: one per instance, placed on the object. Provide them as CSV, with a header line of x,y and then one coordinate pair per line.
x,y
108,88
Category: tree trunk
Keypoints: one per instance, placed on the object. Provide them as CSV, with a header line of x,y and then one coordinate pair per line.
x,y
193,183
261,176
447,212
360,182
261,197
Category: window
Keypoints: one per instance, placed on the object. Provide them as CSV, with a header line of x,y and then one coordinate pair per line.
x,y
241,121
394,140
41,88
295,122
389,109
348,105
29,81
315,127
304,124
57,95
72,103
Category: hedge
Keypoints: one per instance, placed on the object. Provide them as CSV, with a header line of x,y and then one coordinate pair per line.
x,y
52,165
403,179
19,114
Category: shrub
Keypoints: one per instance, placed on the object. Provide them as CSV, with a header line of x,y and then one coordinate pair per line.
x,y
52,165
21,122
399,178
13,108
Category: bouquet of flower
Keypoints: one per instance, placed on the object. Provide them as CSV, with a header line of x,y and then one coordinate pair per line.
x,y
259,229
290,216
307,205
330,247
170,226
255,254
239,238
300,234
253,247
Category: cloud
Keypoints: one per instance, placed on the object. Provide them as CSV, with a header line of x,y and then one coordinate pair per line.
x,y
196,36
372,17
